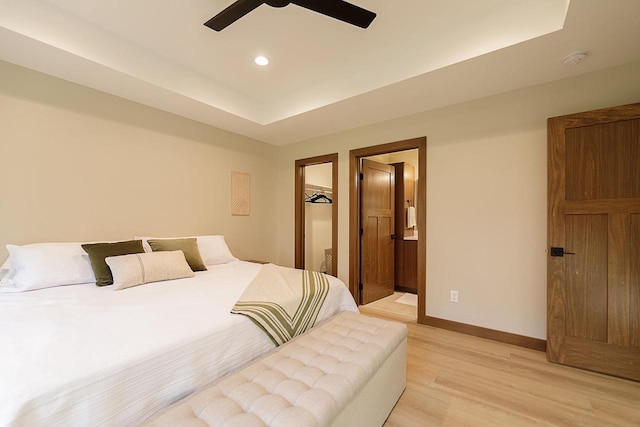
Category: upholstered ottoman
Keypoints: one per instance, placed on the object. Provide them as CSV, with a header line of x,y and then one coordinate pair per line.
x,y
348,371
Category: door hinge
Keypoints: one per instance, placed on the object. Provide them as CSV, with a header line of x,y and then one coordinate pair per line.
x,y
361,176
360,287
361,231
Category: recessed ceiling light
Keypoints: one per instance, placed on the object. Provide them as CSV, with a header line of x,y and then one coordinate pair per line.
x,y
261,60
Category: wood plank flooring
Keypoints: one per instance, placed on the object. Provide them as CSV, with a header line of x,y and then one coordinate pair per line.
x,y
460,380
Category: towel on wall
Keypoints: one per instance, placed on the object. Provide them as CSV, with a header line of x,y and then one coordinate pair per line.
x,y
411,217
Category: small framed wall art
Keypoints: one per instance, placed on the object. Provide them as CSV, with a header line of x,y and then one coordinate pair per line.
x,y
240,194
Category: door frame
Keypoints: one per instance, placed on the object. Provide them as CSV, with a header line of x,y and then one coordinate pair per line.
x,y
300,204
354,213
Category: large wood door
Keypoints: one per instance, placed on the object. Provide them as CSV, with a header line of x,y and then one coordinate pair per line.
x,y
593,312
378,228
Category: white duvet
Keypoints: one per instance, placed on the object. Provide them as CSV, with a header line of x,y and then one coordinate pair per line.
x,y
84,355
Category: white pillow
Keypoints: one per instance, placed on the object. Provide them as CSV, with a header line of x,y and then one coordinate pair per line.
x,y
6,275
45,265
213,249
138,269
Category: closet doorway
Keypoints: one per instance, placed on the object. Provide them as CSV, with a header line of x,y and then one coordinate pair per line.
x,y
316,213
360,271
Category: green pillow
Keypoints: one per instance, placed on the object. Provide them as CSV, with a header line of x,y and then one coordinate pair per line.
x,y
99,251
189,246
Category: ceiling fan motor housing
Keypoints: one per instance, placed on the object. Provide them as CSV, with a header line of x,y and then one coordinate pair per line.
x,y
277,3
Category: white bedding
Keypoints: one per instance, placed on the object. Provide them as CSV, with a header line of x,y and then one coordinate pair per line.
x,y
87,355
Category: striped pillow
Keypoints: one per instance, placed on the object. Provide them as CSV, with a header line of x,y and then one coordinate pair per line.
x,y
138,269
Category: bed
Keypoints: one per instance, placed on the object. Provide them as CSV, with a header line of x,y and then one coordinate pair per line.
x,y
86,355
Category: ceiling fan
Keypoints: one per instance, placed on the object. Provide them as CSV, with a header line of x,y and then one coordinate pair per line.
x,y
337,9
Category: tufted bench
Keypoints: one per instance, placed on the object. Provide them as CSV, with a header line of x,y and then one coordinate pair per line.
x,y
348,371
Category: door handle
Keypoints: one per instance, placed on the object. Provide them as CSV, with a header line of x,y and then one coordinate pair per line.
x,y
393,237
560,252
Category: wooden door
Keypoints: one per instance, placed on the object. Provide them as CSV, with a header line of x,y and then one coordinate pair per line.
x,y
378,228
593,289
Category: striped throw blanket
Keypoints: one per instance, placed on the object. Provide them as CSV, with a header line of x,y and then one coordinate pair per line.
x,y
283,302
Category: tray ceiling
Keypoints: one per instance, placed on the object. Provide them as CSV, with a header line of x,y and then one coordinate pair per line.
x,y
324,76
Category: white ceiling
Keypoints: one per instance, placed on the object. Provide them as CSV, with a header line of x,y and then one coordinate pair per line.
x,y
325,76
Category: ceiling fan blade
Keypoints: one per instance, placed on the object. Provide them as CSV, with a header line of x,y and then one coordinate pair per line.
x,y
232,13
341,10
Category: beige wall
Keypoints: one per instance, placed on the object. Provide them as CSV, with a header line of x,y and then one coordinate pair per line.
x,y
77,165
320,175
486,195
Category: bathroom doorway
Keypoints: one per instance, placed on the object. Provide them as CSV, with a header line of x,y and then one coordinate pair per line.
x,y
405,169
416,201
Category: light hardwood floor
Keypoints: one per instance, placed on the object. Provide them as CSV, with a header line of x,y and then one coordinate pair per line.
x,y
460,380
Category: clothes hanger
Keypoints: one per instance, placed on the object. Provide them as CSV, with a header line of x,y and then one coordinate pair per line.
x,y
317,198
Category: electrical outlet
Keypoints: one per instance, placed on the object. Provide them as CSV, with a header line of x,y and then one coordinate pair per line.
x,y
453,296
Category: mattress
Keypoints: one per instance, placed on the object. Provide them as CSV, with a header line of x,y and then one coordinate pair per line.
x,y
87,355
